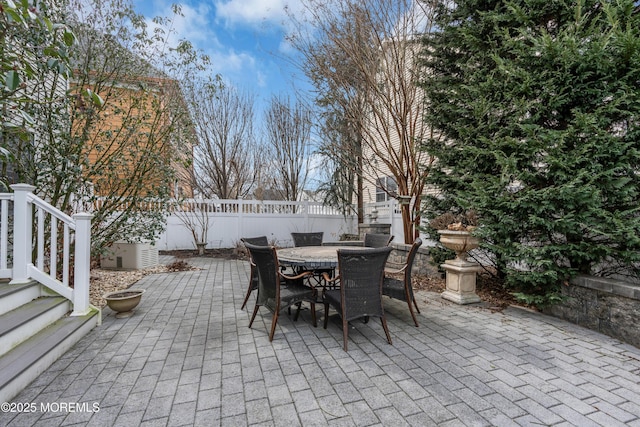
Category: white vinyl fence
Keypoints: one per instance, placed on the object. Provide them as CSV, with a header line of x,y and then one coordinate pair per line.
x,y
387,213
229,220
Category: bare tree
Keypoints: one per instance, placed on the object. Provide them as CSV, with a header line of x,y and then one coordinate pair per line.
x,y
363,57
288,133
195,216
226,159
129,146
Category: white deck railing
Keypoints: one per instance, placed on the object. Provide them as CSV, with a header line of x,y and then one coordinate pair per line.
x,y
47,258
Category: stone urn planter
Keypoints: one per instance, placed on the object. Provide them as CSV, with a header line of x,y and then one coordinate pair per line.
x,y
123,302
460,242
460,273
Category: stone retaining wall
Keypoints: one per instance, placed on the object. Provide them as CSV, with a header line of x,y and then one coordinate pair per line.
x,y
422,263
609,306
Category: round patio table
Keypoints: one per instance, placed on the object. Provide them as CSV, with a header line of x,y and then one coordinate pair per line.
x,y
311,257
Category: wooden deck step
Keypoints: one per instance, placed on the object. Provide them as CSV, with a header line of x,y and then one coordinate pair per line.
x,y
25,362
21,323
13,296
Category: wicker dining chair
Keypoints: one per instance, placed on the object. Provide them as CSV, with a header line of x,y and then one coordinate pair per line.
x,y
307,239
277,291
402,289
375,240
253,276
360,293
311,239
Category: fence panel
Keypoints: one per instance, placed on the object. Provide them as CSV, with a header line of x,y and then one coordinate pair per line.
x,y
229,220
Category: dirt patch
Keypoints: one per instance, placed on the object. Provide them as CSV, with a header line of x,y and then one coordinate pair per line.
x,y
226,253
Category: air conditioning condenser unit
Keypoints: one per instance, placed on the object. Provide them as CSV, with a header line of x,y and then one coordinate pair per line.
x,y
130,256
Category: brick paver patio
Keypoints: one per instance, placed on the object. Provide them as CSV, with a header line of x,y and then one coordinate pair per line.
x,y
187,357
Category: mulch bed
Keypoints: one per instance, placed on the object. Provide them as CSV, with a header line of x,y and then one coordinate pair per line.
x,y
226,253
490,290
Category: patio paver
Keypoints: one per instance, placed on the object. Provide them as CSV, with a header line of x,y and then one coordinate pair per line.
x,y
187,357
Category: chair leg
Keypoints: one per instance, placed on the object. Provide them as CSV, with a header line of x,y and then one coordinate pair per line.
x,y
413,315
295,317
409,297
326,315
345,333
313,314
386,330
255,311
273,326
246,297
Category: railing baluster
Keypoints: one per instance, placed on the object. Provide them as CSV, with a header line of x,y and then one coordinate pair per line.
x,y
4,234
65,254
40,239
53,267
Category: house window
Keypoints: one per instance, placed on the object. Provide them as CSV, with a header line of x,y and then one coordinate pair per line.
x,y
384,186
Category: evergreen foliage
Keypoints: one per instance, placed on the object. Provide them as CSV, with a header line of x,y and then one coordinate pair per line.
x,y
539,105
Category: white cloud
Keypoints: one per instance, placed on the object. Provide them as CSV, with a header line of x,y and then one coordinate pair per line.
x,y
193,24
286,47
238,68
252,12
231,62
239,36
261,79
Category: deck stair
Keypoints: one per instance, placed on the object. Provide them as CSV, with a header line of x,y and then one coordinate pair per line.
x,y
35,330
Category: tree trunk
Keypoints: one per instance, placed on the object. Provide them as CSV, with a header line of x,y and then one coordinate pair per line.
x,y
407,224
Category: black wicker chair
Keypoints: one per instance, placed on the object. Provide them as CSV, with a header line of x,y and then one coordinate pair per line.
x,y
373,240
307,239
253,278
277,291
360,293
311,239
402,289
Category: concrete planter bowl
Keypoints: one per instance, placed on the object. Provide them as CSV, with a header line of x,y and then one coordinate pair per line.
x,y
123,302
460,242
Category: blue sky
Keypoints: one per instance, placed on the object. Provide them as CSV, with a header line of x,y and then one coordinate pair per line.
x,y
244,39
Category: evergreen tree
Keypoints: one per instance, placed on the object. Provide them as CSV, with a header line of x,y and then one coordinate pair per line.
x,y
539,105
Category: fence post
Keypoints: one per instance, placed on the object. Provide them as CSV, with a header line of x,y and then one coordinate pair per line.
x,y
307,222
240,219
82,264
22,235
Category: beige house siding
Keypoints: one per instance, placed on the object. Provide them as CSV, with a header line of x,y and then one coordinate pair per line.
x,y
407,107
